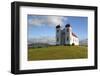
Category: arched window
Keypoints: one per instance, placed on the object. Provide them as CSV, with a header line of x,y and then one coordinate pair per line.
x,y
67,30
57,39
57,30
67,38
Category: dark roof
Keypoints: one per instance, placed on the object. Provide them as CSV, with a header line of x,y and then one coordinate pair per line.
x,y
58,26
74,35
67,25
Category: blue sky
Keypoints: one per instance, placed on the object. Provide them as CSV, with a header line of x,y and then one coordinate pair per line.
x,y
45,26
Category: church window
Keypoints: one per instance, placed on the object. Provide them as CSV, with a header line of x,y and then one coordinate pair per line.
x,y
67,38
67,30
57,30
57,39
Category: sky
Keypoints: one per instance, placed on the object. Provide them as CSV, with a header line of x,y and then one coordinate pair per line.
x,y
40,26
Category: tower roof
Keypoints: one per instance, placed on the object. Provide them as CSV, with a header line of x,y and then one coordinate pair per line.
x,y
67,25
58,26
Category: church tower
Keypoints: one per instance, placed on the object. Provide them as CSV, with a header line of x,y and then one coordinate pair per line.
x,y
68,34
58,35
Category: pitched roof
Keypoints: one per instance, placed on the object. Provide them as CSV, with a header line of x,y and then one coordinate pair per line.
x,y
74,35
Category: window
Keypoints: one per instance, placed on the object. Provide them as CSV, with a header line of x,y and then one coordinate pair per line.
x,y
57,30
57,39
67,30
67,38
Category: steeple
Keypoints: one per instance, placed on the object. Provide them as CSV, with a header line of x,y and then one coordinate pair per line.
x,y
58,34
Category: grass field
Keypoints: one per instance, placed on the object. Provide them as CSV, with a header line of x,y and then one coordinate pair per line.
x,y
57,52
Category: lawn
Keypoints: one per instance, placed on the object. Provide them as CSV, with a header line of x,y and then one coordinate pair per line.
x,y
57,52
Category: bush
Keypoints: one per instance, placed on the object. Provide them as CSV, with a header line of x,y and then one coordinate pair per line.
x,y
65,44
68,44
73,44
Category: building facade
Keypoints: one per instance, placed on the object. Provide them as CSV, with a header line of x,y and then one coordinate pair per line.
x,y
66,36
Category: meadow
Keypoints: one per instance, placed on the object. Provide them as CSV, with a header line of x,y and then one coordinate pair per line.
x,y
57,52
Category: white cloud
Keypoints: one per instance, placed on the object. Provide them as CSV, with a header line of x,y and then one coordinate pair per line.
x,y
49,20
55,20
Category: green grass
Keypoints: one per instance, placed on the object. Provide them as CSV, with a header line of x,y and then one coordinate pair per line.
x,y
57,52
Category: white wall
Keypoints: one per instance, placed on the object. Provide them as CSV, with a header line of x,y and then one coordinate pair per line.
x,y
5,40
58,35
74,40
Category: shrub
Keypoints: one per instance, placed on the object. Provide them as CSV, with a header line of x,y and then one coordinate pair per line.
x,y
68,44
73,44
65,44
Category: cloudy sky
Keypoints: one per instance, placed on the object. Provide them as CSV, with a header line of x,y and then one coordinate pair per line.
x,y
40,26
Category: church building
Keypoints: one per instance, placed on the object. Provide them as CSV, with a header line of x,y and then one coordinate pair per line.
x,y
66,36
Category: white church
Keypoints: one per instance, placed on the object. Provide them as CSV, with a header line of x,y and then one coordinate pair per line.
x,y
66,36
